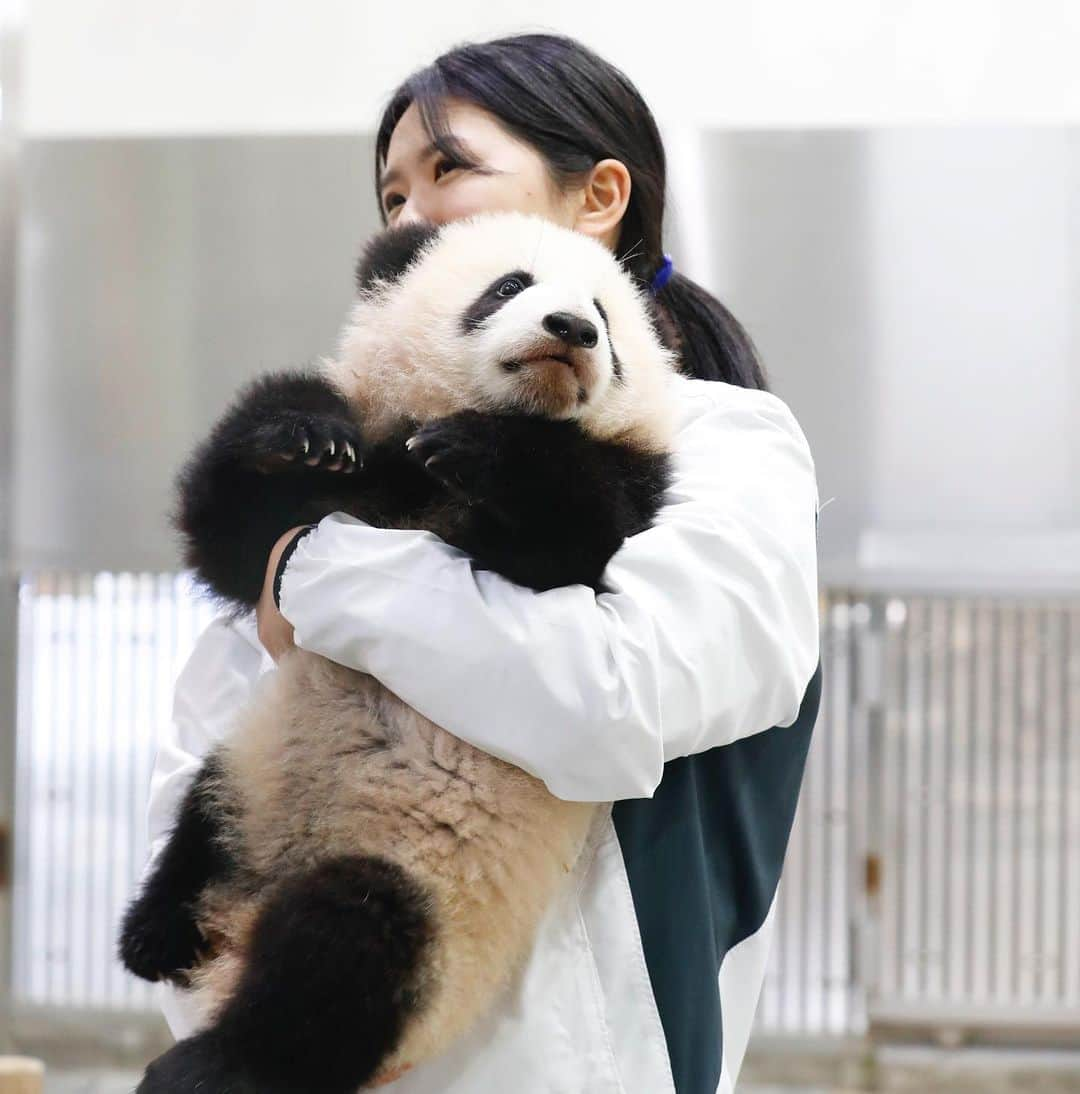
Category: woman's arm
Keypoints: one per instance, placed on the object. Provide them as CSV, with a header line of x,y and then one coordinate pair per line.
x,y
710,632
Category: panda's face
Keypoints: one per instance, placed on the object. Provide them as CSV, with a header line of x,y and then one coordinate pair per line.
x,y
540,343
504,312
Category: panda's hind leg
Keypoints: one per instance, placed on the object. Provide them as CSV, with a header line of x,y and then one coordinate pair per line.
x,y
332,973
160,937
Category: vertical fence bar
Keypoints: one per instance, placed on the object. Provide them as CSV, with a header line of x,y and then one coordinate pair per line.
x,y
1045,694
1070,822
851,852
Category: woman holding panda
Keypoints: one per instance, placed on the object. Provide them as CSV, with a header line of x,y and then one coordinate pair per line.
x,y
686,695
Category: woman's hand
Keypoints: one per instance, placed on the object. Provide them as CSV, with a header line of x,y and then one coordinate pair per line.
x,y
275,631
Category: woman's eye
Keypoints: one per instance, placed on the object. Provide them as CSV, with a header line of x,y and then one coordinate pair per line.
x,y
450,165
510,287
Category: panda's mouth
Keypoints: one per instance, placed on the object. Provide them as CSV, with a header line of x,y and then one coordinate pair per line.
x,y
516,364
553,378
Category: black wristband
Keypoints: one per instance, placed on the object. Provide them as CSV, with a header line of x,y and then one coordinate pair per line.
x,y
285,556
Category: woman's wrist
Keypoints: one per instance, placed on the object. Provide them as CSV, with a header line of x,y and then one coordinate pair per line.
x,y
280,555
275,631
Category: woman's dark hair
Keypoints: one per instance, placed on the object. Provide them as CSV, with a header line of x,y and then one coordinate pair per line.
x,y
575,109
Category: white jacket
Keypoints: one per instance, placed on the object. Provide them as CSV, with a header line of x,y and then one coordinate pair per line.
x,y
686,695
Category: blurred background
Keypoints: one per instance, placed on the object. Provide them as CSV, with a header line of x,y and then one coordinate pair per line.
x,y
886,194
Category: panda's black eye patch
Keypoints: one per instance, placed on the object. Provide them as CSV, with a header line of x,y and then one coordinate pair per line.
x,y
616,364
502,289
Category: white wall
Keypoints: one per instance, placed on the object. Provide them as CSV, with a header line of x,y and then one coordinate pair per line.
x,y
913,291
974,292
97,67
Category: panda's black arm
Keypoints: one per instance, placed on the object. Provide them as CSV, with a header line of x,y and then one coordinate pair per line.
x,y
159,937
541,503
537,500
250,480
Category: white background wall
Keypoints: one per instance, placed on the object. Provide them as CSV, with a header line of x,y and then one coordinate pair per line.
x,y
220,66
979,360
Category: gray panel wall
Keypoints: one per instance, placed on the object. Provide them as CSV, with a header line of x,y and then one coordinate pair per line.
x,y
913,292
155,277
794,265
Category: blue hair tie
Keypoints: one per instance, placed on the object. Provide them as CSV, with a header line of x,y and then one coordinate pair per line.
x,y
663,275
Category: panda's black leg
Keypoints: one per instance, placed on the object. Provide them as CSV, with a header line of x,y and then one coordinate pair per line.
x,y
285,453
544,504
159,938
200,1065
330,978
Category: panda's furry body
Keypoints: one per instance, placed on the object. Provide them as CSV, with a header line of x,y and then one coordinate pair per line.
x,y
348,887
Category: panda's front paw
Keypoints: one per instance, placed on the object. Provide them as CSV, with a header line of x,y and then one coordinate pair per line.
x,y
460,451
300,440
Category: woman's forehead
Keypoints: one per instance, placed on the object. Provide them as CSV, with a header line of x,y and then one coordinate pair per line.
x,y
464,120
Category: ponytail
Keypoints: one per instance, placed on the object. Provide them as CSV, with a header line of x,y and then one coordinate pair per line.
x,y
711,343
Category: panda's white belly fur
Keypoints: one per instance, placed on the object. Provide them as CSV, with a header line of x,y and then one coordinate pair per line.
x,y
327,762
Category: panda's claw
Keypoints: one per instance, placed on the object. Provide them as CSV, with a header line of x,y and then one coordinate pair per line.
x,y
348,458
450,454
300,441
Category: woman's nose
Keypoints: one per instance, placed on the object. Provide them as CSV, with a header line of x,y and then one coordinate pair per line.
x,y
408,214
413,212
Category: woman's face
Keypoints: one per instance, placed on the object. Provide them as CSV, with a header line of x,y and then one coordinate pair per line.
x,y
421,184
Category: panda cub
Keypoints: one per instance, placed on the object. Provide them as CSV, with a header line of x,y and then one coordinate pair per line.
x,y
348,887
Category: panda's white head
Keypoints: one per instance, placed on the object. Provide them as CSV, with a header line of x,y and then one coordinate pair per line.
x,y
503,312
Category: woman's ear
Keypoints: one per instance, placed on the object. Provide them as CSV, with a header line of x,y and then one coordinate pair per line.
x,y
603,201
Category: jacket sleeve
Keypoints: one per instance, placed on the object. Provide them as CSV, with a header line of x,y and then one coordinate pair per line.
x,y
211,688
709,632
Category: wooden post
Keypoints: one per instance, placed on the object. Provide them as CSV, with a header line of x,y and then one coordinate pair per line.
x,y
21,1075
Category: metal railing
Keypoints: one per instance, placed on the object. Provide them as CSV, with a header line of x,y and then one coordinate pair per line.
x,y
97,658
933,875
934,867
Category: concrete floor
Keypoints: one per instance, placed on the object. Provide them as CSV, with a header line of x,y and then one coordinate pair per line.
x,y
115,1082
90,1082
87,1082
904,1071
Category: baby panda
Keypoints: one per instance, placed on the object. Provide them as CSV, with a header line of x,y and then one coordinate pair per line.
x,y
348,887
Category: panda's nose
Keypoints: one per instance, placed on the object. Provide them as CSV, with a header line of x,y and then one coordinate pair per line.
x,y
571,328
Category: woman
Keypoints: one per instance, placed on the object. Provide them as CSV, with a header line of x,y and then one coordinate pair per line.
x,y
686,695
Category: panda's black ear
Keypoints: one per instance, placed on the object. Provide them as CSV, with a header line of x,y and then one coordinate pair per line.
x,y
388,254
